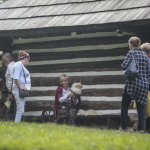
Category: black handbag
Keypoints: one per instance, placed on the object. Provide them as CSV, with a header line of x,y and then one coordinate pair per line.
x,y
23,93
132,70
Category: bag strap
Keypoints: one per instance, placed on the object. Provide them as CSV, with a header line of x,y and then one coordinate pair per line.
x,y
24,74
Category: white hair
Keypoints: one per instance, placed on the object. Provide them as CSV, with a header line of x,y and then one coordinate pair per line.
x,y
7,57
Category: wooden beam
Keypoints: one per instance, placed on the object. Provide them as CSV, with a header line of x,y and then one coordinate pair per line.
x,y
72,42
74,54
87,80
66,33
100,105
85,92
52,30
78,67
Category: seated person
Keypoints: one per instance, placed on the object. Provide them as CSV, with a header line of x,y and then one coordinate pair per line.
x,y
63,94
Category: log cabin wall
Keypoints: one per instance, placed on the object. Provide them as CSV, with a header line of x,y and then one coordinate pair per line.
x,y
78,37
93,56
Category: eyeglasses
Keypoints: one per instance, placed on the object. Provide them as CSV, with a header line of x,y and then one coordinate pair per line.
x,y
28,58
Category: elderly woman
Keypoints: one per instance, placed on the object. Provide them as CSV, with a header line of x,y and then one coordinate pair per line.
x,y
64,94
136,89
146,49
21,77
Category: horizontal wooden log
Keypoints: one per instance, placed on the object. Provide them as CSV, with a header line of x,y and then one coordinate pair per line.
x,y
102,105
85,92
50,30
72,42
64,33
87,80
77,67
74,54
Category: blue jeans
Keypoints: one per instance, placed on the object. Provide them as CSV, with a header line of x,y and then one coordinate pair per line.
x,y
126,99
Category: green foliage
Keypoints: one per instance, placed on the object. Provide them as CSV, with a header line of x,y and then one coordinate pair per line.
x,y
32,136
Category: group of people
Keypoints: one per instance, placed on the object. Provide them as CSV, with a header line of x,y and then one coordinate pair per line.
x,y
136,89
16,77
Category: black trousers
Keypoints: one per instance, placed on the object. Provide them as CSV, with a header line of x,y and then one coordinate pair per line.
x,y
126,99
11,112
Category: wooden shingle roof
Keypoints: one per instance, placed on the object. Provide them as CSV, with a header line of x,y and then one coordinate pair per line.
x,y
33,14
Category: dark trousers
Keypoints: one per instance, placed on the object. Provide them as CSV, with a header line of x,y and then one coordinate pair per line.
x,y
148,123
11,112
126,99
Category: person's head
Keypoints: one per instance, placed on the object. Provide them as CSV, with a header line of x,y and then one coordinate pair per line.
x,y
64,81
7,59
134,42
24,57
146,49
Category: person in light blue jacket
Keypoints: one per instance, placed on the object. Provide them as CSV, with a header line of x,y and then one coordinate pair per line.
x,y
21,77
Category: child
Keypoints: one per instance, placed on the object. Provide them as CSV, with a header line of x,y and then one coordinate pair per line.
x,y
63,94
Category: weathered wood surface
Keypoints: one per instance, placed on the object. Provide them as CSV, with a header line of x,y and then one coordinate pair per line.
x,y
85,105
50,30
85,92
87,80
73,54
72,43
77,67
67,33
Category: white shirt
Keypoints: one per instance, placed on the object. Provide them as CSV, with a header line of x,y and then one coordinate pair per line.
x,y
64,97
9,75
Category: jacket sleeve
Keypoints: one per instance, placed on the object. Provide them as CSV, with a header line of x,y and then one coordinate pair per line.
x,y
125,63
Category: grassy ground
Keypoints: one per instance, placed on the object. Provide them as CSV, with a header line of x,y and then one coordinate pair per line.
x,y
32,136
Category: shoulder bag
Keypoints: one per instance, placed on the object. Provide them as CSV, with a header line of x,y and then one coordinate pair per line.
x,y
23,93
132,70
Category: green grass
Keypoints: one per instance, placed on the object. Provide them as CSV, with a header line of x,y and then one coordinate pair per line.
x,y
32,136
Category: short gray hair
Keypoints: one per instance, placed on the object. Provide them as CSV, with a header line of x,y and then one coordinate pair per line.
x,y
7,57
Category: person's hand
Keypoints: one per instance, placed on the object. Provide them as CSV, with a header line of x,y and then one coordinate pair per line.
x,y
10,97
23,88
70,95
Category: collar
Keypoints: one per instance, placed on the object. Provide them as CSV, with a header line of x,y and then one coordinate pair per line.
x,y
11,63
67,90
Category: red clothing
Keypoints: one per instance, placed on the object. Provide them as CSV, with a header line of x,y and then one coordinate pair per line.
x,y
58,94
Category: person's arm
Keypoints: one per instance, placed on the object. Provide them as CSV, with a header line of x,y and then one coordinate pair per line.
x,y
16,75
19,85
65,97
125,63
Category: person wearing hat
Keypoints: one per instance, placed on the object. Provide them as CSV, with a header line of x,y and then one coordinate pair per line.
x,y
21,77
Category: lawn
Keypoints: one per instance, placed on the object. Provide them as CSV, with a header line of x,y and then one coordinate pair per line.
x,y
32,136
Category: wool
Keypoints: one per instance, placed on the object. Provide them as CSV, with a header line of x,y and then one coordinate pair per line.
x,y
76,88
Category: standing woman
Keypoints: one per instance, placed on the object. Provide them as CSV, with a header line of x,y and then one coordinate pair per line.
x,y
20,73
136,89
